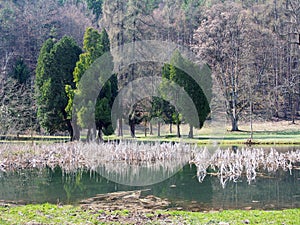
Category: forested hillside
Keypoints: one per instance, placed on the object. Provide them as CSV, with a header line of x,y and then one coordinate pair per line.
x,y
252,48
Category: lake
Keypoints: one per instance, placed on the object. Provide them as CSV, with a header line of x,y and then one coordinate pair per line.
x,y
272,191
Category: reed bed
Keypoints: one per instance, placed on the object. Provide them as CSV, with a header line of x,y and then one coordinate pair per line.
x,y
230,165
137,164
129,161
78,155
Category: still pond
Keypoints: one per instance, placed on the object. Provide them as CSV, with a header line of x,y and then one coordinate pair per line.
x,y
276,190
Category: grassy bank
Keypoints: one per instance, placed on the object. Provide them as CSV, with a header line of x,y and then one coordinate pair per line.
x,y
53,214
267,133
229,138
290,216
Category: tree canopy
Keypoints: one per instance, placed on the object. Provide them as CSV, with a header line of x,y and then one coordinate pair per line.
x,y
54,71
95,44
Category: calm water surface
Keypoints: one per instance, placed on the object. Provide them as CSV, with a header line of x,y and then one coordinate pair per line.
x,y
274,191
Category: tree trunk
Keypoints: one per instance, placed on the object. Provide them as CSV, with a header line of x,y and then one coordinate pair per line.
x,y
178,129
120,128
88,135
191,133
171,131
293,109
251,121
150,129
94,133
234,123
145,129
76,132
132,129
70,130
158,129
100,138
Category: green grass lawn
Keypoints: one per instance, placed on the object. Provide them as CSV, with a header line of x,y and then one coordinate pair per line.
x,y
279,133
229,138
290,216
53,214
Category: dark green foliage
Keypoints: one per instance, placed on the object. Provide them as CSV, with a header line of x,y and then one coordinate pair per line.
x,y
42,68
92,43
20,71
104,41
54,71
104,104
106,96
92,51
95,6
95,45
190,86
162,109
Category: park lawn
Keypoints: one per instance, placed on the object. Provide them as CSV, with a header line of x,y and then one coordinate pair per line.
x,y
228,139
68,214
268,133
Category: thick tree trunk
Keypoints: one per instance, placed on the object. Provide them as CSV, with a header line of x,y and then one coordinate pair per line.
x,y
132,129
158,129
120,127
150,129
76,132
171,130
88,135
94,133
72,127
100,137
178,129
191,132
70,130
234,124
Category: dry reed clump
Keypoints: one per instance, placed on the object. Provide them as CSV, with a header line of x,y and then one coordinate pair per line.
x,y
78,155
231,165
137,164
128,161
17,156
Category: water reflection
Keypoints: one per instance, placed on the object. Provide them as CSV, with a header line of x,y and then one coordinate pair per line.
x,y
139,175
232,165
272,191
